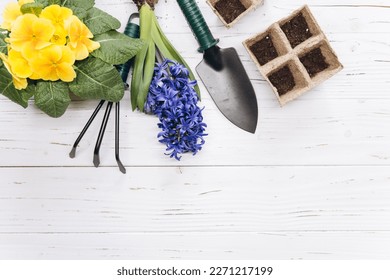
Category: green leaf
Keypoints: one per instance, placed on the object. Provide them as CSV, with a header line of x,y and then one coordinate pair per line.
x,y
79,7
52,98
144,61
99,22
116,48
137,77
32,8
97,79
3,44
29,92
171,53
8,89
79,12
46,3
148,72
84,4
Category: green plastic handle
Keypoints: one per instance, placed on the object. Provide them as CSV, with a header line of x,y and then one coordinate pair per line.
x,y
198,25
132,30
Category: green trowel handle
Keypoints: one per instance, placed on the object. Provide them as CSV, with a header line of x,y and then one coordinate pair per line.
x,y
198,25
131,30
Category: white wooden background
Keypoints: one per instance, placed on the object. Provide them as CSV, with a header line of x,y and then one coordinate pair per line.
x,y
312,183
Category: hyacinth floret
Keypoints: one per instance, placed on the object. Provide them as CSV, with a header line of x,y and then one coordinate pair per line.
x,y
173,100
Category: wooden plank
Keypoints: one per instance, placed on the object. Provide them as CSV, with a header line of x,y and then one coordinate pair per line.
x,y
193,246
307,132
200,199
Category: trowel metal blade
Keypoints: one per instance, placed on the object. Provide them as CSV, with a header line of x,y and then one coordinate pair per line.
x,y
226,80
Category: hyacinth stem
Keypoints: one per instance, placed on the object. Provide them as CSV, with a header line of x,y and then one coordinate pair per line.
x,y
159,57
155,39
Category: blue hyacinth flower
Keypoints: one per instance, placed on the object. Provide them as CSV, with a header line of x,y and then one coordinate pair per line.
x,y
173,100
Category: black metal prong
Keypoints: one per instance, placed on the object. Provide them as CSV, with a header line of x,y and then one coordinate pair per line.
x,y
117,115
72,153
96,157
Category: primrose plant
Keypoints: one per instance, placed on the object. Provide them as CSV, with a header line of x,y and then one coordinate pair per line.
x,y
51,48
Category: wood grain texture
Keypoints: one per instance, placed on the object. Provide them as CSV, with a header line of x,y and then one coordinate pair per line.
x,y
187,199
197,246
312,183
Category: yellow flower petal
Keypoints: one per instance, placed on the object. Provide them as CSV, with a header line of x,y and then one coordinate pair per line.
x,y
19,83
79,29
10,14
42,67
56,14
43,30
19,64
80,51
68,56
4,58
52,53
29,51
35,76
79,39
92,45
52,75
22,2
65,72
21,31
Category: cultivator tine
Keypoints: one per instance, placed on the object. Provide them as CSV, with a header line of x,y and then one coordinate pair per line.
x,y
96,156
117,115
72,153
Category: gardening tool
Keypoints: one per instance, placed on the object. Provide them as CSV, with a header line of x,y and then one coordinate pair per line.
x,y
131,30
222,73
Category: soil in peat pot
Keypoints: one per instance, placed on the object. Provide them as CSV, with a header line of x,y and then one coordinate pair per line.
x,y
283,80
229,9
296,30
314,62
264,50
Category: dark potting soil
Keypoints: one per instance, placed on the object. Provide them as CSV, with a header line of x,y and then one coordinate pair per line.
x,y
264,50
283,80
314,62
297,30
229,9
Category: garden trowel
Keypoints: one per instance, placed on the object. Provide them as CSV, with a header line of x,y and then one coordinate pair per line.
x,y
222,73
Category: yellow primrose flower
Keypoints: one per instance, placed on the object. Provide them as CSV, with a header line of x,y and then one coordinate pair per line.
x,y
59,37
12,12
80,39
19,64
57,15
19,83
60,17
30,33
22,2
55,63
